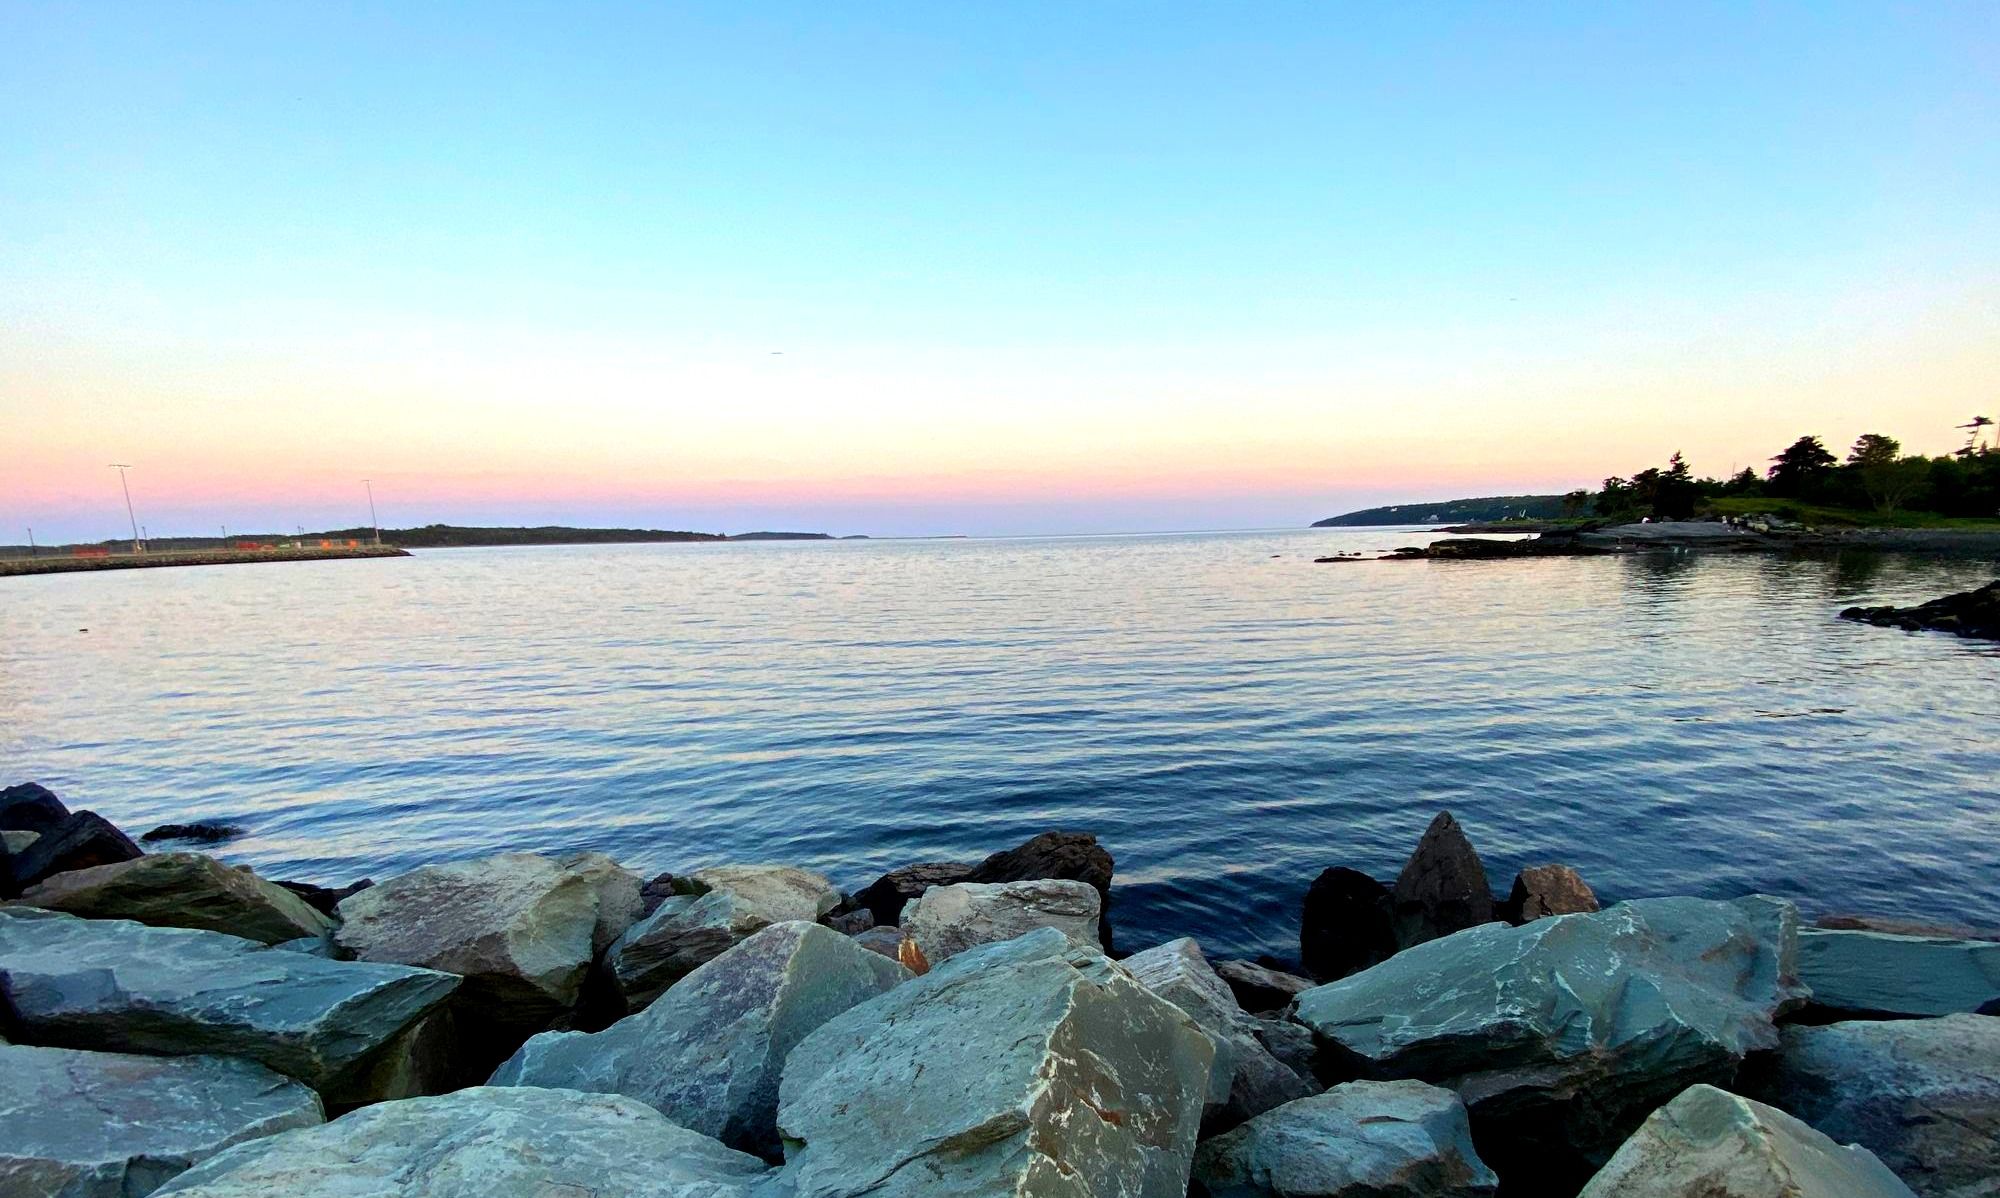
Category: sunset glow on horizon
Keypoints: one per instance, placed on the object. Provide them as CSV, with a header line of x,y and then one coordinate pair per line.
x,y
908,271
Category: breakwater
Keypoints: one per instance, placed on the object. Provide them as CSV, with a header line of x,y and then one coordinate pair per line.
x,y
63,563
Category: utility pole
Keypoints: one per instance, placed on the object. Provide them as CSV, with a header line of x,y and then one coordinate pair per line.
x,y
138,538
374,521
32,551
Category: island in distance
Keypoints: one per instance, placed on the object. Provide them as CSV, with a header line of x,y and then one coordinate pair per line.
x,y
1454,511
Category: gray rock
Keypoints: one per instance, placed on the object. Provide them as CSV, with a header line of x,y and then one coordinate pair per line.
x,y
1442,888
484,1142
1709,1143
1259,988
114,984
1070,856
852,923
1032,1066
517,927
1563,1034
1291,1044
947,920
888,941
110,1125
1880,976
619,901
708,1054
312,946
1358,1140
182,890
1246,1079
687,931
887,895
1921,1094
1544,890
15,842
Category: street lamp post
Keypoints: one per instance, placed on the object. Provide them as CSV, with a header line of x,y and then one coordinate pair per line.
x,y
138,541
374,521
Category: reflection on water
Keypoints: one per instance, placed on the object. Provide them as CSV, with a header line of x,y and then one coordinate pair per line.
x,y
1227,721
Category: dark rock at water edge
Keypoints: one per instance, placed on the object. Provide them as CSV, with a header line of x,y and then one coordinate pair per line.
x,y
1258,987
1443,887
201,832
1346,924
322,899
30,807
81,840
1072,856
1965,613
886,896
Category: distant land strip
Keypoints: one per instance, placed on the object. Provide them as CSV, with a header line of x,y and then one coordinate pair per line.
x,y
1453,511
429,536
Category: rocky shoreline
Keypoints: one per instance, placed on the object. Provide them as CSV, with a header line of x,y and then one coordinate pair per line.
x,y
1965,613
1682,536
537,1025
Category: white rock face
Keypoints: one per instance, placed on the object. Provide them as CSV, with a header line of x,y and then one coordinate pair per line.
x,y
947,920
1713,1144
514,1142
109,1125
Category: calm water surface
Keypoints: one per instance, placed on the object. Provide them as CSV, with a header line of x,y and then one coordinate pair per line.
x,y
1228,717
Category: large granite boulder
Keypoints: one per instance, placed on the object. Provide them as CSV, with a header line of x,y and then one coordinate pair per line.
x,y
619,899
1875,975
517,927
709,1052
1544,890
1032,1066
182,890
1921,1094
82,839
1442,888
1246,1079
31,807
110,1125
485,1142
1358,1140
887,895
1563,1034
1709,1143
118,985
727,904
1259,988
1345,924
947,920
1070,856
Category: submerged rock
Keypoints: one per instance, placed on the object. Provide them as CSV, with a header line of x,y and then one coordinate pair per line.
x,y
1544,890
111,1125
1070,856
517,927
118,985
182,890
1031,1066
1442,888
1358,1140
1246,1079
1966,613
81,840
1345,925
1562,1034
708,1054
887,895
687,931
201,832
484,1142
1921,1094
1709,1143
947,920
1260,988
1875,975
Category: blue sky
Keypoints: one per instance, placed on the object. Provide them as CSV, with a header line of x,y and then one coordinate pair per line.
x,y
1028,267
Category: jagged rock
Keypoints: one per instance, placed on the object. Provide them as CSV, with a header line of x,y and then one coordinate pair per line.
x,y
886,941
1075,856
1709,1143
1259,988
708,1053
110,1125
656,890
1032,1066
1442,888
852,923
689,930
1246,1079
946,920
31,807
517,927
1921,1094
202,832
1965,613
486,1142
1544,890
887,895
1292,1044
118,985
1875,975
1345,925
181,890
1358,1140
620,903
1562,1034
81,840
322,899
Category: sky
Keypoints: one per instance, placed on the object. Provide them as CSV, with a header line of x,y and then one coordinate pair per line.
x,y
1009,268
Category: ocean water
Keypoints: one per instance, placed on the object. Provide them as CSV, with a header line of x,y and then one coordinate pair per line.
x,y
1228,717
